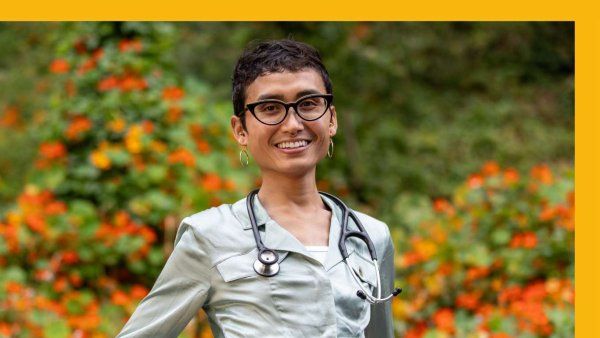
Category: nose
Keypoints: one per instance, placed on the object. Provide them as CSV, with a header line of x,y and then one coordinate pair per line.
x,y
292,123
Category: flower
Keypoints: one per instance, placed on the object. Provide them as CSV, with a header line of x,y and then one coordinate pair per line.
x,y
53,150
444,320
134,45
182,156
211,182
78,126
173,93
59,66
100,160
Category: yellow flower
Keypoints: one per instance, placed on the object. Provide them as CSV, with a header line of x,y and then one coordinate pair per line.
x,y
100,160
117,125
133,141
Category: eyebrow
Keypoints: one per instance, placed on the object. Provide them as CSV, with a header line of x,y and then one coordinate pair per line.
x,y
281,98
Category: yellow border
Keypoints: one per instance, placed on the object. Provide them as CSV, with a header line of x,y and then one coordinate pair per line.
x,y
587,98
587,182
308,10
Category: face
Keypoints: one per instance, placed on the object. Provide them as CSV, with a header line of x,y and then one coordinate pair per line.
x,y
268,144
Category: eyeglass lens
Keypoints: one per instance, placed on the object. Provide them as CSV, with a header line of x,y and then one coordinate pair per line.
x,y
310,109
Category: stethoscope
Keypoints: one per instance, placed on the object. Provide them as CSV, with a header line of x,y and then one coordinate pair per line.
x,y
267,262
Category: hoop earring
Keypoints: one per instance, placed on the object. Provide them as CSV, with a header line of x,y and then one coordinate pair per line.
x,y
243,152
330,149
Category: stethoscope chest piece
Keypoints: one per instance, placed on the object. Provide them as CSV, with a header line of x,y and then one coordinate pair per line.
x,y
266,264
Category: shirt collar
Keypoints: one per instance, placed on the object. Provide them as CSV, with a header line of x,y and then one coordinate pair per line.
x,y
276,237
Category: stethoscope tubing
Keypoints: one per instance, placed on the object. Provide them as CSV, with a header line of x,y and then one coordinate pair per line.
x,y
267,261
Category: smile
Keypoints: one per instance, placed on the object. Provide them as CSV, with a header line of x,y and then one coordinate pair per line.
x,y
292,145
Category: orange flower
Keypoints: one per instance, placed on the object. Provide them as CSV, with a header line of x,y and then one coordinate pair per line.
x,y
56,208
529,240
70,257
182,156
108,83
78,126
511,176
468,301
59,66
147,126
36,223
173,93
203,146
119,298
117,125
211,182
475,181
10,117
174,114
134,45
500,335
132,82
444,320
440,205
490,168
542,173
138,291
86,66
195,131
53,150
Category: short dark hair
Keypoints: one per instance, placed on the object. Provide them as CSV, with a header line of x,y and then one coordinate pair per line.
x,y
272,57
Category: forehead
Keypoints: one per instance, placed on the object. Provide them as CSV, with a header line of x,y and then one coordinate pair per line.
x,y
285,84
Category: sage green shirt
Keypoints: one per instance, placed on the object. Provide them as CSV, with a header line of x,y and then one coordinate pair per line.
x,y
211,267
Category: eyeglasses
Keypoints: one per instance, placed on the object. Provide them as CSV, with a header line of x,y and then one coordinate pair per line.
x,y
309,108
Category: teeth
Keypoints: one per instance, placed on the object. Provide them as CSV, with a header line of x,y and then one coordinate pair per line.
x,y
290,145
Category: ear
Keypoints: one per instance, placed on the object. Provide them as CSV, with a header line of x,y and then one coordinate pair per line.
x,y
240,135
332,122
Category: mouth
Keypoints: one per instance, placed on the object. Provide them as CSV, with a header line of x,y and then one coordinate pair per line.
x,y
293,145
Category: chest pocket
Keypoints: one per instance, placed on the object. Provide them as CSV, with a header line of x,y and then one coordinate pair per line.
x,y
302,294
353,312
241,300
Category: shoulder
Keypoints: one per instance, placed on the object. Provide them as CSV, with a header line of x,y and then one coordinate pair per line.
x,y
217,230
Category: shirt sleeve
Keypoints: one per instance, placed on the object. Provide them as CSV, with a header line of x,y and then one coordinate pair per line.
x,y
178,294
381,324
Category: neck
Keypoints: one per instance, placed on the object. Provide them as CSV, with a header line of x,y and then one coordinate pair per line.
x,y
284,191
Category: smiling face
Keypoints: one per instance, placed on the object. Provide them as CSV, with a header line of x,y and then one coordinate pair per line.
x,y
295,146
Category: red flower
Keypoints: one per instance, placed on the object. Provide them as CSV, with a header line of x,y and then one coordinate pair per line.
x,y
108,83
173,93
444,320
53,150
59,66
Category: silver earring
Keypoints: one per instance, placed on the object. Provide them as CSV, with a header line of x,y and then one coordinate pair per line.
x,y
330,149
244,153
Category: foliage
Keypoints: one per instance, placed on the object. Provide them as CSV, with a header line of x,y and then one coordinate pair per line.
x,y
126,149
496,259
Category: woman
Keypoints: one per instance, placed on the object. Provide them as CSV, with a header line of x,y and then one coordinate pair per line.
x,y
284,118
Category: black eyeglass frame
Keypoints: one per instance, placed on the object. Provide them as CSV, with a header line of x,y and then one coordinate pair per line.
x,y
328,98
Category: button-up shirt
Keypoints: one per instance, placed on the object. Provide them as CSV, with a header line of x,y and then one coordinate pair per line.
x,y
211,267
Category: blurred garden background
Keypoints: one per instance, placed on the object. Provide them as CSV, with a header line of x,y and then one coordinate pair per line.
x,y
460,136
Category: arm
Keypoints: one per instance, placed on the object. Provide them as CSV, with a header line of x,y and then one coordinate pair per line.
x,y
177,295
381,324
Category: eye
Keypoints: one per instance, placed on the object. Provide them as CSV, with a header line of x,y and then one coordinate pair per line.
x,y
309,103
